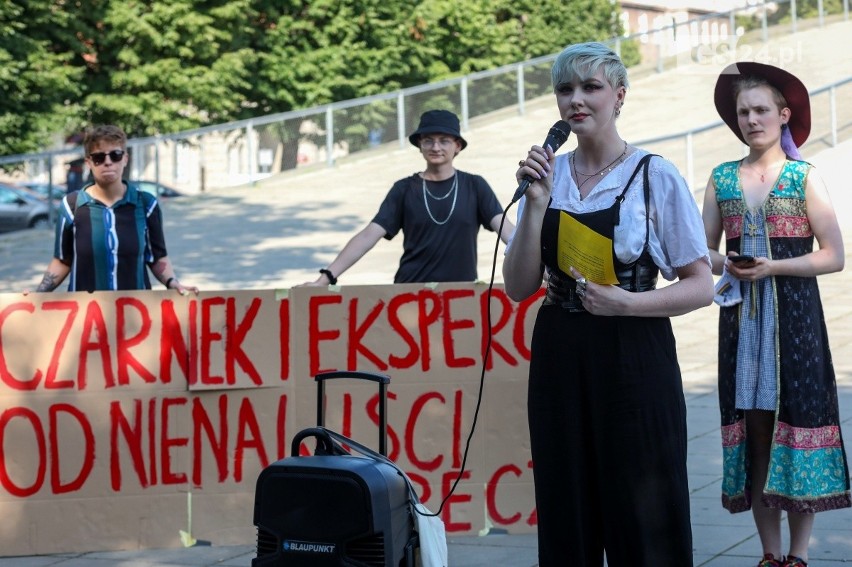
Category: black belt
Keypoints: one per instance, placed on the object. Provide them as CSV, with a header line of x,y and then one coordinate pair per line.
x,y
565,296
562,291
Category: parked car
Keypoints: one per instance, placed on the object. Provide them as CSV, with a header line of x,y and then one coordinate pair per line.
x,y
19,209
43,189
157,189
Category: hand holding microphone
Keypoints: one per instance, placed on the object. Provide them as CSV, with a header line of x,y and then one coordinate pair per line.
x,y
555,138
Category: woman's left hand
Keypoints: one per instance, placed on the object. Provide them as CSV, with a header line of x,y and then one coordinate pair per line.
x,y
600,299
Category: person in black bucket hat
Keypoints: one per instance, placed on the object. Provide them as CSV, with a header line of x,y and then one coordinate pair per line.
x,y
438,122
439,211
782,444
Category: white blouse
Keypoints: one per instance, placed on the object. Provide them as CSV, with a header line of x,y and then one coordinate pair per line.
x,y
676,236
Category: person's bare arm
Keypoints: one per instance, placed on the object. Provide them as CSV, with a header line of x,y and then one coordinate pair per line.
x,y
358,245
508,228
522,267
54,275
165,274
712,219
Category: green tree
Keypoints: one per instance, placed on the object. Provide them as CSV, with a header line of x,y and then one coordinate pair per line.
x,y
38,82
804,9
159,66
547,26
480,35
455,38
322,51
630,53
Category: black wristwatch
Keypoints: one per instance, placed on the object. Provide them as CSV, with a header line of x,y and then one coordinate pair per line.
x,y
331,279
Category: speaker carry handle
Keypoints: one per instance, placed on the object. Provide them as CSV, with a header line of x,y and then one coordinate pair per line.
x,y
325,444
382,379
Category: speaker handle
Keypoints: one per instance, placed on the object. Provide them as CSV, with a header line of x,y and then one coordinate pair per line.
x,y
325,444
382,379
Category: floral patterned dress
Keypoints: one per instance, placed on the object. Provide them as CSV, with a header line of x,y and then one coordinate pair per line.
x,y
778,328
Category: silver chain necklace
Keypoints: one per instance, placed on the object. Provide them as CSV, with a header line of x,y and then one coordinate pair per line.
x,y
601,172
454,191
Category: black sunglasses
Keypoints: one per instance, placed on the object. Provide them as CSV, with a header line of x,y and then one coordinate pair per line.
x,y
115,156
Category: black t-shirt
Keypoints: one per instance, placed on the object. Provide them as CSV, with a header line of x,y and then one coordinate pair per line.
x,y
439,226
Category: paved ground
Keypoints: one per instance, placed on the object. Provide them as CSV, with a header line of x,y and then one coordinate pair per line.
x,y
278,233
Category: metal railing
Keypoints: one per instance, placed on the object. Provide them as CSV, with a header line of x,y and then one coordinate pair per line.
x,y
246,151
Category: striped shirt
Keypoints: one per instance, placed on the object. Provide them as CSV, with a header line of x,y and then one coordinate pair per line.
x,y
109,248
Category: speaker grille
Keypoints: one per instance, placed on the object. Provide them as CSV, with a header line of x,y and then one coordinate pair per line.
x,y
369,550
267,543
357,505
316,506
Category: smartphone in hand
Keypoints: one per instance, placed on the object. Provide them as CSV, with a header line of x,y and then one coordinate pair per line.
x,y
739,259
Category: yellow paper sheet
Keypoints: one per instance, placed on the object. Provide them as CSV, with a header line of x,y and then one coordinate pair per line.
x,y
587,251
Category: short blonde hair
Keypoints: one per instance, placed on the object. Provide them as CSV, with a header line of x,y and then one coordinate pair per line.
x,y
582,60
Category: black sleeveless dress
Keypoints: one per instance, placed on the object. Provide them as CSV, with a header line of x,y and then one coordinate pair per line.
x,y
607,420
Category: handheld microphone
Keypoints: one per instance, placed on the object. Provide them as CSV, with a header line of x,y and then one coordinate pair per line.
x,y
555,138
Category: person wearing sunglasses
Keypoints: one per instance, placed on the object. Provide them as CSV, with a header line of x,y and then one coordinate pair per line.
x,y
108,234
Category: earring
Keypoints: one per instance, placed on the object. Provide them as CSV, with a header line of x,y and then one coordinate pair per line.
x,y
618,110
784,126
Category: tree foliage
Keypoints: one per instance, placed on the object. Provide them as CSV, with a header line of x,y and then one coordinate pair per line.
x,y
161,66
804,9
164,66
39,84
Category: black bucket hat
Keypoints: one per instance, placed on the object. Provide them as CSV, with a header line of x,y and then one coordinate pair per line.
x,y
437,122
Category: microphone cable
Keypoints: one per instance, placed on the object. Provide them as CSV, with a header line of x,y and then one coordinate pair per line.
x,y
556,136
485,356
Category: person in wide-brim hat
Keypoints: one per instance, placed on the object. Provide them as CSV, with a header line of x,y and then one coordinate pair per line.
x,y
791,88
437,122
772,230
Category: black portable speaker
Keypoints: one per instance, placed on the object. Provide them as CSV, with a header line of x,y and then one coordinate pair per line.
x,y
334,508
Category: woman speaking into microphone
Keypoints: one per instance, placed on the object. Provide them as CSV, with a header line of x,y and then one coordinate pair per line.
x,y
606,410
